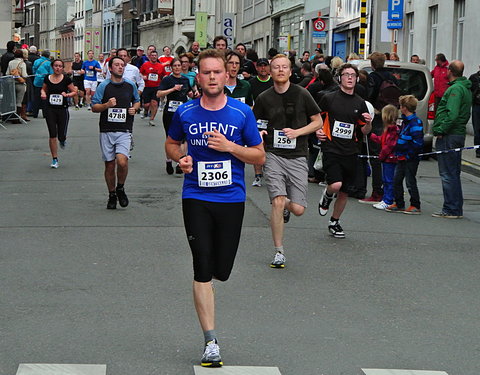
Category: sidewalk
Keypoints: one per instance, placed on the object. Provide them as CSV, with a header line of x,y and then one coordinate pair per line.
x,y
470,163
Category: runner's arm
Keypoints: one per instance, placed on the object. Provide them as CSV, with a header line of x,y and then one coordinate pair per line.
x,y
174,151
315,124
250,155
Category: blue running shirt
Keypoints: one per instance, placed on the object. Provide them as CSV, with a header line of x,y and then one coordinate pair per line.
x,y
216,184
90,74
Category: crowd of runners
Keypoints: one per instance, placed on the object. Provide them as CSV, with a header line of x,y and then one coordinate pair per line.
x,y
222,109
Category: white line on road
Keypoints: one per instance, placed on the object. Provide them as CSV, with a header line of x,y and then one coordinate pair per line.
x,y
60,369
378,371
237,370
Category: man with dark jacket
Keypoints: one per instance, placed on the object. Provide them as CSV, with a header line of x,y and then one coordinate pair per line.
x,y
7,56
449,127
475,79
375,80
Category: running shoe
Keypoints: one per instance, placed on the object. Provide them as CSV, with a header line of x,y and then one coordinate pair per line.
x,y
63,144
89,108
278,261
286,216
169,167
178,170
412,210
54,163
394,208
151,123
77,108
380,205
112,201
446,216
336,229
324,203
122,197
211,355
257,182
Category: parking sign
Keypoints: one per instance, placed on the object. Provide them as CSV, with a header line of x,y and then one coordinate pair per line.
x,y
395,9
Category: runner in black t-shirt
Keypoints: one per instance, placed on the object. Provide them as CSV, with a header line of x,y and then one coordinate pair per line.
x,y
177,90
77,79
347,120
57,87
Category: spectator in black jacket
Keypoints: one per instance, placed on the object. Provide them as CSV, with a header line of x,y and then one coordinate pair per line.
x,y
307,74
475,79
7,56
375,79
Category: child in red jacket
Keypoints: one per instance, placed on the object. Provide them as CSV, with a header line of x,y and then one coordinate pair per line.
x,y
388,141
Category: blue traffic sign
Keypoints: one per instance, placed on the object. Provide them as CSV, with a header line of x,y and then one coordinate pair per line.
x,y
394,24
319,34
395,9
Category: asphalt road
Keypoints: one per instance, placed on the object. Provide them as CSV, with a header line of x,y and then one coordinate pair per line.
x,y
82,284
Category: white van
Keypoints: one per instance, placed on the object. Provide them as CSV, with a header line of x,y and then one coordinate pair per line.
x,y
413,79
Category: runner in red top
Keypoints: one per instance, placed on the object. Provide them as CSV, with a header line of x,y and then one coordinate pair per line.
x,y
166,59
152,72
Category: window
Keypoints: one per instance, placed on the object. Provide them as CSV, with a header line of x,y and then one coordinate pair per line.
x,y
458,34
147,6
192,7
253,9
410,30
432,42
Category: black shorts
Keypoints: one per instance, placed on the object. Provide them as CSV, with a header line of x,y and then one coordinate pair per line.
x,y
340,168
57,122
213,231
79,84
149,94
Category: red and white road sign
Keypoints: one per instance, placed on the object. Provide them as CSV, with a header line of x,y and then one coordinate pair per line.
x,y
319,25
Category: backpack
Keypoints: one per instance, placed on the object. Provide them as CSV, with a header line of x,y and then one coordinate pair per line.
x,y
388,93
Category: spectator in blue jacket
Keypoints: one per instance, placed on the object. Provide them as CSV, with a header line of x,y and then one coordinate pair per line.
x,y
41,67
409,145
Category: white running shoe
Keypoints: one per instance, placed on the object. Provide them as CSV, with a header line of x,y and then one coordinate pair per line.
x,y
380,205
257,182
278,261
54,164
211,356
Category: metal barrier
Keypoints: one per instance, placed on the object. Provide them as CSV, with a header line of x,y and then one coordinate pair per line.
x,y
8,106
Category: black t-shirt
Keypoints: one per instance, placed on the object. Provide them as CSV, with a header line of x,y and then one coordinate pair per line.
x,y
76,67
343,126
179,96
291,109
116,119
54,91
258,86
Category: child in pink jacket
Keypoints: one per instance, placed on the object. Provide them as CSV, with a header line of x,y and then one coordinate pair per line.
x,y
388,141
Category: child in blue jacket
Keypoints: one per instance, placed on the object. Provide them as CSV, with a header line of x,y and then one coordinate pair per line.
x,y
409,145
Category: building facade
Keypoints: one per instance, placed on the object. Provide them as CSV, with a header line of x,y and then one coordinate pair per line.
x,y
31,27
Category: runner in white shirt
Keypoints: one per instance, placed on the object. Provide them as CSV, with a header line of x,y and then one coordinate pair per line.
x,y
101,75
131,72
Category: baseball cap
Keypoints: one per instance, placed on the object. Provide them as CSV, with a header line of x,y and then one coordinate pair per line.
x,y
33,49
140,48
263,61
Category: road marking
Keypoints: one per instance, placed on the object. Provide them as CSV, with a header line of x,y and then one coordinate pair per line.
x,y
60,369
237,370
378,371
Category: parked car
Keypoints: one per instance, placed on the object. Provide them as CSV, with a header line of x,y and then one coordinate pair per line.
x,y
413,79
